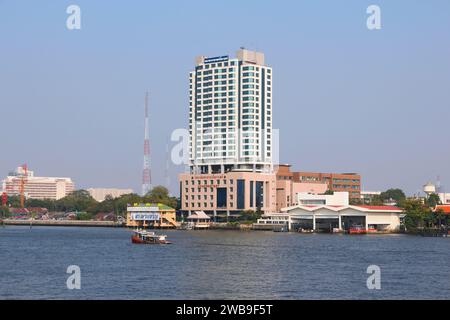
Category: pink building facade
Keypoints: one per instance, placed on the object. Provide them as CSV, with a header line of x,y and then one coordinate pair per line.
x,y
228,194
287,189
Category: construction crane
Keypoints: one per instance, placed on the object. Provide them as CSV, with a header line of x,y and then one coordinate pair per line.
x,y
23,181
4,199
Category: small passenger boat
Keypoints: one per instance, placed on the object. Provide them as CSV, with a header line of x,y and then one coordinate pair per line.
x,y
148,237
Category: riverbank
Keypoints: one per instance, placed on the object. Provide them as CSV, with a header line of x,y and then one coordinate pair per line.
x,y
91,223
63,223
214,226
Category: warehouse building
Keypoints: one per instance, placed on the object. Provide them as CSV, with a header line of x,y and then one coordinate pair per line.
x,y
329,218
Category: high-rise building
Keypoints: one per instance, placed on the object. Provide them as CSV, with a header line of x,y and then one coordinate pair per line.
x,y
230,114
37,187
231,138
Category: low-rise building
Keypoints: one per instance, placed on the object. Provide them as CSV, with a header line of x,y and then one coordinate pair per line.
x,y
287,188
227,194
348,182
151,215
100,194
53,188
323,218
198,220
290,183
445,198
335,199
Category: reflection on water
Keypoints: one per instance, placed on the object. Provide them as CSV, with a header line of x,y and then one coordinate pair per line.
x,y
219,265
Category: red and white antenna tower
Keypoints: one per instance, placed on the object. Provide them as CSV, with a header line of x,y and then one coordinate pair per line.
x,y
146,174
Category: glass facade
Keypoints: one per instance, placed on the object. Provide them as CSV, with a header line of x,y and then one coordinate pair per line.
x,y
240,194
221,198
259,194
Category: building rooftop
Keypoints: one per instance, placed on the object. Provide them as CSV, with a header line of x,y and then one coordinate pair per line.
x,y
444,208
379,207
247,56
361,208
198,215
160,206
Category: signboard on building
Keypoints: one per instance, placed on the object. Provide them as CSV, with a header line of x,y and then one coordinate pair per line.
x,y
142,209
216,59
150,216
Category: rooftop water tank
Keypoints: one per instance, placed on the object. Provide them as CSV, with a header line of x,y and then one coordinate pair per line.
x,y
429,188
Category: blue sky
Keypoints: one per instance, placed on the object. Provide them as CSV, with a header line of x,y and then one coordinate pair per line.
x,y
345,98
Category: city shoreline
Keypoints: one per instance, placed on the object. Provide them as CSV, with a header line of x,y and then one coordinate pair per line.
x,y
214,227
63,223
113,224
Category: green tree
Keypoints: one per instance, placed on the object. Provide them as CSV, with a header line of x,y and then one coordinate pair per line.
x,y
49,204
417,216
440,218
79,200
14,201
250,216
355,202
395,194
106,206
121,203
84,216
376,200
4,212
160,194
433,200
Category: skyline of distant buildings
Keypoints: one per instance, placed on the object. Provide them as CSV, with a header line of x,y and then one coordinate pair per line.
x,y
53,188
50,188
231,147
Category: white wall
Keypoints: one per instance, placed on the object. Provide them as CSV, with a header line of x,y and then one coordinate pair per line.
x,y
336,199
385,218
445,198
392,219
100,194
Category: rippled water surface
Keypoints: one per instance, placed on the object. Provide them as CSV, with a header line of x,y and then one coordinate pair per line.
x,y
219,265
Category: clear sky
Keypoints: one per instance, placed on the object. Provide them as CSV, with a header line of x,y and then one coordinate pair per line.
x,y
345,98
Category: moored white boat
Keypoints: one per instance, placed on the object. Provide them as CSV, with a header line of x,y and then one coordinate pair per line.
x,y
148,237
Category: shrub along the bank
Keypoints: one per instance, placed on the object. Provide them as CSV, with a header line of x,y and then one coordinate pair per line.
x,y
419,217
81,200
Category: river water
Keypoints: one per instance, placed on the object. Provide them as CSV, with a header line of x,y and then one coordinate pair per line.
x,y
219,265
